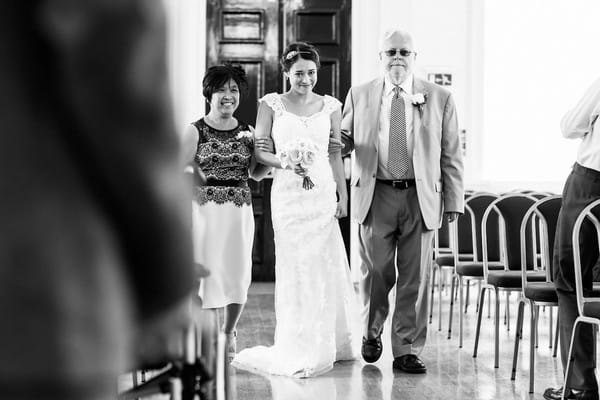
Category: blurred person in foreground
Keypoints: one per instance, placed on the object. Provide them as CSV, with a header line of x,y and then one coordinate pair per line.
x,y
581,188
94,238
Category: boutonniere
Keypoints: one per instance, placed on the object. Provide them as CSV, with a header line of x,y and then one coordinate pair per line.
x,y
419,100
246,137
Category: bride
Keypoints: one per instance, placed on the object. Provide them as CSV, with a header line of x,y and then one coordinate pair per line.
x,y
314,300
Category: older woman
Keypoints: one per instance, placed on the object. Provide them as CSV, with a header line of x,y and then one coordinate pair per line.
x,y
222,147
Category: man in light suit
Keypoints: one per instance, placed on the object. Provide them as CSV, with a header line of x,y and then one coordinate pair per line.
x,y
407,172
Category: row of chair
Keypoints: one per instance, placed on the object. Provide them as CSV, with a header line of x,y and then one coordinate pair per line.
x,y
502,242
505,243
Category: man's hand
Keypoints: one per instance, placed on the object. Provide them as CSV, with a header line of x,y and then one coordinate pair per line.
x,y
341,209
199,177
452,216
335,145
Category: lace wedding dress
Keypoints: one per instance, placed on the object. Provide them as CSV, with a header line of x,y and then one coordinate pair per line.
x,y
315,305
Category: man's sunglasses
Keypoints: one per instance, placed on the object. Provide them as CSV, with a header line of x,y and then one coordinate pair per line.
x,y
403,52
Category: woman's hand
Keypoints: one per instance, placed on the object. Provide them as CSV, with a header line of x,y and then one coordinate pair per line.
x,y
299,170
264,144
342,209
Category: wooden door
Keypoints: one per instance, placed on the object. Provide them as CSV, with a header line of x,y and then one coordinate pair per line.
x,y
326,25
253,33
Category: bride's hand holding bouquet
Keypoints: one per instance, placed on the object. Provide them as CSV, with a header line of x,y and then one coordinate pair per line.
x,y
299,156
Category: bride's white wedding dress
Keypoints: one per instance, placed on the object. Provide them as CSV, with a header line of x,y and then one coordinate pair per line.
x,y
315,305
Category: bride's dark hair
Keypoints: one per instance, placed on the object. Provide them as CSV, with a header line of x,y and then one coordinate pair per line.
x,y
294,51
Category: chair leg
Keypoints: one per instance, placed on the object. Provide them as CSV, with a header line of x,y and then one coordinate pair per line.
x,y
433,271
479,314
507,312
537,336
532,344
467,300
518,334
478,293
570,359
506,309
497,330
440,276
452,287
455,293
556,336
460,314
489,306
550,330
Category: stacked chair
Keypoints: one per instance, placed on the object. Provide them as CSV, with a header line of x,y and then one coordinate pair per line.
x,y
459,248
441,253
588,304
511,209
466,272
543,214
194,366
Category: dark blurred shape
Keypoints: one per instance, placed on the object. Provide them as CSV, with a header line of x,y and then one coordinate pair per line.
x,y
94,235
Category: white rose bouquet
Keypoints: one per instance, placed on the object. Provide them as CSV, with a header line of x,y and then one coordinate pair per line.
x,y
299,153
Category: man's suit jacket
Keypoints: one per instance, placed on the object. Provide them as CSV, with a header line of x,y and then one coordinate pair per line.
x,y
94,231
437,158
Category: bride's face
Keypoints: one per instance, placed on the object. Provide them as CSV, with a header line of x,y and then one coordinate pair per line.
x,y
302,76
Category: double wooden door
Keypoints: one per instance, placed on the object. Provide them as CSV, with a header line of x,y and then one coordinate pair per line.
x,y
253,34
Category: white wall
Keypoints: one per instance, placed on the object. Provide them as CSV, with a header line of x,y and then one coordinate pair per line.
x,y
187,57
539,57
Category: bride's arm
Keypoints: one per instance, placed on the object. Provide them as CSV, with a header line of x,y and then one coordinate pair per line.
x,y
264,123
337,165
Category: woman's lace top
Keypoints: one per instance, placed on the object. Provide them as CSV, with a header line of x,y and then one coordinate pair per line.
x,y
224,157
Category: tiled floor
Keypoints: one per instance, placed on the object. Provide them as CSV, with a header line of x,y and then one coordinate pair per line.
x,y
452,372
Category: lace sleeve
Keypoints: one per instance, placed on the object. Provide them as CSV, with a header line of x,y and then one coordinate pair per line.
x,y
331,104
273,101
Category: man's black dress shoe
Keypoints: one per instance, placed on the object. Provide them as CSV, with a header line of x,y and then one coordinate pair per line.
x,y
556,394
371,349
409,363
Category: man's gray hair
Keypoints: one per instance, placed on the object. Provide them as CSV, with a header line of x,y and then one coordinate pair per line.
x,y
391,33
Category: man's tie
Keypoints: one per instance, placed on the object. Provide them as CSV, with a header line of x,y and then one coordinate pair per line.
x,y
398,153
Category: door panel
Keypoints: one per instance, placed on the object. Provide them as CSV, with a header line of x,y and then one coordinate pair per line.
x,y
252,34
325,24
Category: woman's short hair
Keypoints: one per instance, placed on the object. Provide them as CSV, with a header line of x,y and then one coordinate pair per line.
x,y
219,75
294,51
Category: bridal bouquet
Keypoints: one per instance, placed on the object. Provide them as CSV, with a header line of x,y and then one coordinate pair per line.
x,y
300,153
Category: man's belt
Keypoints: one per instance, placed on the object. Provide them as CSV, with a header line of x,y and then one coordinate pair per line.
x,y
398,183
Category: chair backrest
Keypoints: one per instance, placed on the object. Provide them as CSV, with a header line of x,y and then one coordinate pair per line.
x,y
462,239
441,239
465,239
544,212
547,211
511,209
475,206
590,213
